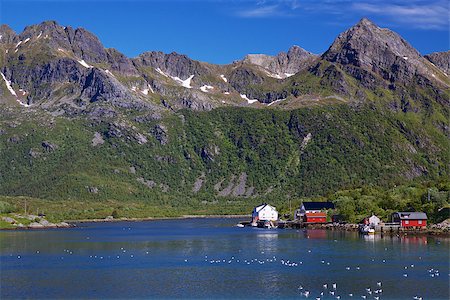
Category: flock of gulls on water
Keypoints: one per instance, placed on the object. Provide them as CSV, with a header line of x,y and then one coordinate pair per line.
x,y
329,290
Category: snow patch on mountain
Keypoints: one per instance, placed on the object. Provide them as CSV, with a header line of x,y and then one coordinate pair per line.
x,y
223,78
250,101
84,64
8,85
205,88
185,83
276,101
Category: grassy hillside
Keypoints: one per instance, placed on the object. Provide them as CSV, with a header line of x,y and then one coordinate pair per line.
x,y
225,160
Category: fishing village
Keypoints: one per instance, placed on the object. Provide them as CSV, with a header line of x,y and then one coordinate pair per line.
x,y
322,215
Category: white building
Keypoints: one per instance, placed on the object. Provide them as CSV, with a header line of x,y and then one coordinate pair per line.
x,y
374,220
264,212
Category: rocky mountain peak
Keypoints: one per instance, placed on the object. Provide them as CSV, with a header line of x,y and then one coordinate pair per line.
x,y
379,50
440,60
173,64
7,35
282,65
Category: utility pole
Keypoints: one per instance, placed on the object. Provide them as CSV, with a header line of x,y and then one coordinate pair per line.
x,y
428,194
25,206
290,208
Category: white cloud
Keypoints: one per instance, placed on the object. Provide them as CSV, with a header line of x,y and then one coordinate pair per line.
x,y
423,14
267,8
429,15
259,12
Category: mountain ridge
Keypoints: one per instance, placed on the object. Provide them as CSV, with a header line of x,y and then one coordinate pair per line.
x,y
83,122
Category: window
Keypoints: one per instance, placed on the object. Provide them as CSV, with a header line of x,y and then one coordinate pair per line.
x,y
420,221
406,222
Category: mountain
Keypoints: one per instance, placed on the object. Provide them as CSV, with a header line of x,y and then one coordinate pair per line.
x,y
441,60
284,64
79,121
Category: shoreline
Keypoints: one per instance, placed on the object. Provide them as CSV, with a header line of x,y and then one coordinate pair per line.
x,y
184,217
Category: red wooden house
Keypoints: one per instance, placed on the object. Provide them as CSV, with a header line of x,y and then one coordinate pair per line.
x,y
410,219
316,217
314,212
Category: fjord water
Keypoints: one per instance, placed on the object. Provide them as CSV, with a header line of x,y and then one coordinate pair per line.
x,y
211,258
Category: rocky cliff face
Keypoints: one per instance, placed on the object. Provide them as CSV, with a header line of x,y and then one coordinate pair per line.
x,y
51,66
441,60
284,64
379,50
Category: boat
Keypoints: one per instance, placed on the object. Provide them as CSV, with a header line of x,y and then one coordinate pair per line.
x,y
366,229
268,224
240,225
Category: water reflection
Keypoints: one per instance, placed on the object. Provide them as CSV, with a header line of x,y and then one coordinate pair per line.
x,y
213,258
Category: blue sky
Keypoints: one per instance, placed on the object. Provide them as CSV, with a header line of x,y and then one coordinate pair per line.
x,y
220,31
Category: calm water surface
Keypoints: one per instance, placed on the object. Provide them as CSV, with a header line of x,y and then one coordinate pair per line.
x,y
211,258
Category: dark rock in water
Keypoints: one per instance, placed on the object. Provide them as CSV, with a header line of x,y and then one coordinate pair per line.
x,y
49,147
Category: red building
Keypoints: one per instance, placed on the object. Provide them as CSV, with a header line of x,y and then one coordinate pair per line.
x,y
316,217
314,212
410,219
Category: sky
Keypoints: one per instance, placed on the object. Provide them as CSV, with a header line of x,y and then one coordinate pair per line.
x,y
219,31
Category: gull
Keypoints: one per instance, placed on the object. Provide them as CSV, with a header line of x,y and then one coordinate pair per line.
x,y
376,298
325,286
379,283
405,275
363,296
331,292
350,295
334,285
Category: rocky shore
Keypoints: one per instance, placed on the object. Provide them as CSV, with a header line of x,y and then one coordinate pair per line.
x,y
442,228
33,222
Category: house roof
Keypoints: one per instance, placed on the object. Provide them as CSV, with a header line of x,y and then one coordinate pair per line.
x,y
316,215
263,205
413,215
318,205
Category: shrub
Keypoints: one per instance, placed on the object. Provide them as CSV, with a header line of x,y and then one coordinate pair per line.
x,y
6,207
